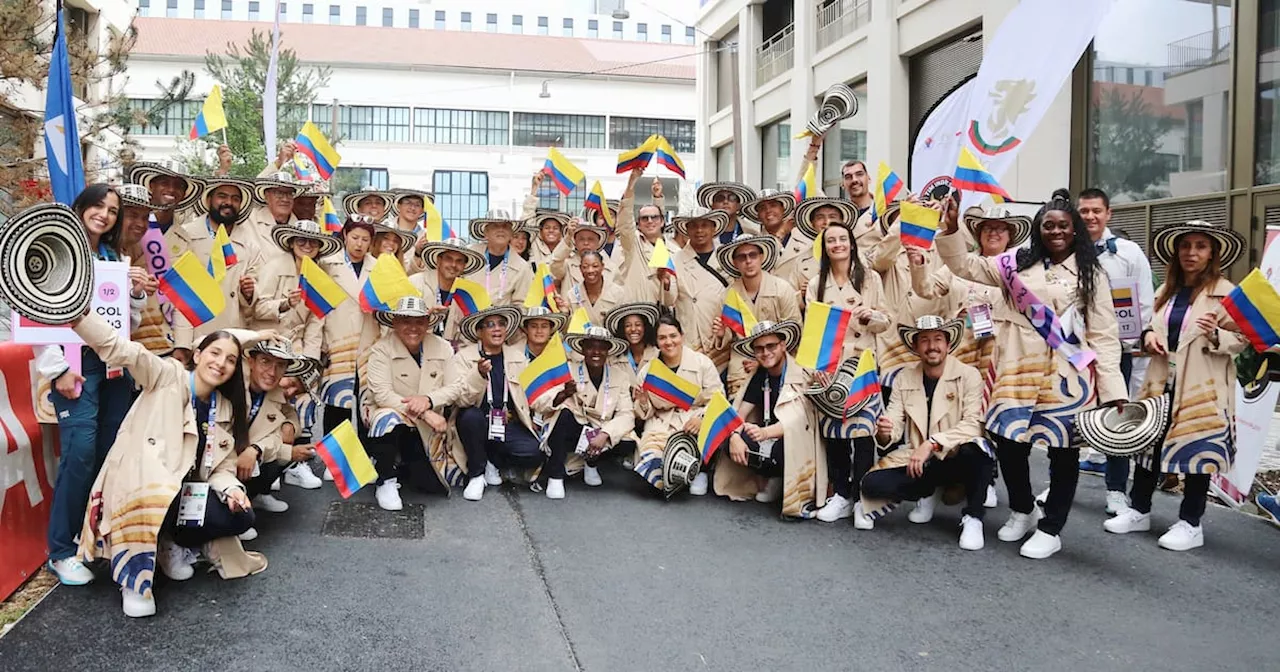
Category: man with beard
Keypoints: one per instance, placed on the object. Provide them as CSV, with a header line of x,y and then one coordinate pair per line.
x,y
445,262
855,179
937,404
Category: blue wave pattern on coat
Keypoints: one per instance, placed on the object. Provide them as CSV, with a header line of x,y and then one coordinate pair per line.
x,y
134,570
340,392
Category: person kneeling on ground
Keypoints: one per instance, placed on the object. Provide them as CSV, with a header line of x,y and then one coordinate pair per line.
x,y
937,403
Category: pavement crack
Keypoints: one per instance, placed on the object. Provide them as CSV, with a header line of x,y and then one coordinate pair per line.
x,y
535,561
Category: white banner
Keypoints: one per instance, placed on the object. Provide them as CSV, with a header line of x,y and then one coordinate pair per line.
x,y
940,138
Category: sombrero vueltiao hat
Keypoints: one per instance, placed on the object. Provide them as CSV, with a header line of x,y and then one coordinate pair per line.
x,y
681,462
1123,433
806,208
351,201
646,311
954,329
575,342
1164,244
600,231
1019,225
144,172
479,225
707,193
398,195
298,366
406,238
557,320
613,205
431,252
137,196
751,210
278,180
315,189
46,267
471,323
284,235
767,244
410,306
718,217
830,400
534,223
787,330
211,184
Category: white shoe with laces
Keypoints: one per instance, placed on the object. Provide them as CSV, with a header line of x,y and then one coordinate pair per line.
x,y
836,508
388,495
301,476
698,487
1116,502
862,521
991,502
269,504
591,476
173,561
923,512
971,534
1128,520
1183,536
71,572
474,490
1041,545
1019,524
555,488
772,491
135,605
491,475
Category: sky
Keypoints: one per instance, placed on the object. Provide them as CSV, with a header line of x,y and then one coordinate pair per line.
x,y
1139,31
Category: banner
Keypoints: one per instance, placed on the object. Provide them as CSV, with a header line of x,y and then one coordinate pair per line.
x,y
938,143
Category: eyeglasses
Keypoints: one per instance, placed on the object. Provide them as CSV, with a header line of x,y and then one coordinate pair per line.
x,y
494,324
746,255
646,218
359,218
766,348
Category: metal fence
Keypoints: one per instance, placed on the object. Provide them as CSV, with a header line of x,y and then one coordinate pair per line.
x,y
1201,50
777,55
837,18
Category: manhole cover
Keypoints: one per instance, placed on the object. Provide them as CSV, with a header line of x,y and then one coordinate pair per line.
x,y
368,521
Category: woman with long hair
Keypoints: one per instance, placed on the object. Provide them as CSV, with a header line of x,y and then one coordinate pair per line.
x,y
844,282
1059,354
1193,358
89,404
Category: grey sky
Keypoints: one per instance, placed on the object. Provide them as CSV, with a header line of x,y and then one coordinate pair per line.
x,y
1139,31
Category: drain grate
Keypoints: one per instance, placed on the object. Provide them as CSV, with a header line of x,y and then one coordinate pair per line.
x,y
368,521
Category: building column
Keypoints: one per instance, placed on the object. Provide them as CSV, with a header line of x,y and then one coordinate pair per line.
x,y
803,101
748,146
888,93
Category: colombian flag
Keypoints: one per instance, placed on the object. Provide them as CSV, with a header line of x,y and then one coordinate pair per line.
x,y
822,341
596,201
736,314
665,384
866,381
919,224
436,228
667,157
971,176
346,459
211,117
1255,306
192,290
808,185
469,296
890,186
313,145
386,285
1122,297
542,289
332,222
547,371
218,261
579,322
718,422
638,157
562,171
662,257
319,292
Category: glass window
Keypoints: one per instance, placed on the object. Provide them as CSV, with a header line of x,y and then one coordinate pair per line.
x,y
175,119
362,123
724,163
413,18
461,196
199,9
617,30
171,8
335,14
568,28
226,10
628,132
549,197
491,23
850,144
439,20
543,26
1267,140
1140,145
466,21
460,127
362,16
593,28
253,11
776,168
666,34
577,131
689,35
517,24
725,49
642,32
284,10
378,178
388,17
144,8
1195,135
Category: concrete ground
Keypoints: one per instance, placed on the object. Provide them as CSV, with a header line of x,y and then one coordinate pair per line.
x,y
616,579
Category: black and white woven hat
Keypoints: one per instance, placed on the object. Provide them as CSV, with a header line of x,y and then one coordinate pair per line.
x,y
144,172
278,180
245,187
557,320
680,462
137,196
285,234
576,342
1123,433
479,226
398,195
830,400
46,266
471,324
410,306
1164,244
806,208
431,252
719,218
787,330
768,247
351,201
646,311
706,194
954,329
751,210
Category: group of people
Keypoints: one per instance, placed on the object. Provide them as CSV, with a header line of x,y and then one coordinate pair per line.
x,y
988,344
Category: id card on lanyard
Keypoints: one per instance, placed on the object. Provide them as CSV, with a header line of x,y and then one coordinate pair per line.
x,y
497,413
194,497
502,278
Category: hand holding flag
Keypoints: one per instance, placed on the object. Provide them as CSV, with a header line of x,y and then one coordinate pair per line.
x,y
547,371
562,172
320,293
313,145
718,422
918,225
822,340
211,117
596,201
638,157
1254,304
469,296
192,290
736,314
889,187
386,285
808,185
972,176
665,384
667,157
661,258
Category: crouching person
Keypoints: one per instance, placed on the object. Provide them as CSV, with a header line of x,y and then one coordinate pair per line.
x,y
406,365
937,403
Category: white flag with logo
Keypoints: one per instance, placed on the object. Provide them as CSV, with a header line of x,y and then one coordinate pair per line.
x,y
940,138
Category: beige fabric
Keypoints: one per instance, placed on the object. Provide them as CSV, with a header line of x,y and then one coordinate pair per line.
x,y
776,301
238,308
348,333
264,431
428,283
860,336
792,257
611,296
508,291
889,259
608,408
700,295
259,226
278,278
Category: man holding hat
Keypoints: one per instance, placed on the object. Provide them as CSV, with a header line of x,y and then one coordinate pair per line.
x,y
445,261
748,260
506,276
728,197
937,404
776,456
406,365
700,283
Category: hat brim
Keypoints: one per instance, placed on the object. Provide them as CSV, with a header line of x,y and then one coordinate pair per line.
x,y
406,238
534,223
681,450
143,173
401,194
954,329
1019,227
247,202
557,320
830,400
768,244
261,186
806,208
614,319
284,235
576,342
431,253
479,227
600,231
718,217
351,201
387,317
752,210
1164,243
1136,429
131,202
787,330
469,324
707,192
46,266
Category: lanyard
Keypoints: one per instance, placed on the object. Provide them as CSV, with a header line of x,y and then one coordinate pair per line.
x,y
502,280
632,358
488,387
257,398
583,379
207,426
768,394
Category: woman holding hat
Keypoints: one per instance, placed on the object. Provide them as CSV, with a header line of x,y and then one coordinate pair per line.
x,y
445,261
748,260
280,302
1050,365
660,417
591,413
505,274
1193,360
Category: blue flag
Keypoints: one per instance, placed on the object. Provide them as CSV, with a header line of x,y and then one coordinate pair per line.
x,y
61,140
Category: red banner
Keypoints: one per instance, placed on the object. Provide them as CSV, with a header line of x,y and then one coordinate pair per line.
x,y
28,463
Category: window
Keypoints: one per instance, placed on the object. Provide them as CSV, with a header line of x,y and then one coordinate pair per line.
x,y
460,127
466,21
724,163
359,178
642,32
666,34
362,123
388,17
253,11
461,196
628,132
549,197
174,119
284,10
689,35
335,14
144,7
439,20
577,131
543,27
776,168
1267,113
617,30
726,47
607,6
491,23
593,28
568,28
308,13
362,16
1195,135
226,10
171,8
199,9
517,24
413,18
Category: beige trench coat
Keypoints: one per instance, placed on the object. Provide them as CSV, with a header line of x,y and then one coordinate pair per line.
x,y
508,283
662,418
608,408
860,336
259,226
776,301
278,278
959,295
428,283
265,430
793,256
889,259
700,296
238,308
349,333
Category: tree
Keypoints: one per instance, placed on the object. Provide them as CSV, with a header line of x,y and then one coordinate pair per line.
x,y
243,73
1127,138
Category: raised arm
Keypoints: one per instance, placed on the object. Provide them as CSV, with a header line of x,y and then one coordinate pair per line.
x,y
148,370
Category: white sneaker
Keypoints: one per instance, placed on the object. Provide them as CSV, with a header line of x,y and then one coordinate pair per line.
x,y
591,476
971,535
861,521
1126,521
1182,537
327,475
555,488
772,491
172,560
837,507
388,495
1043,497
1117,501
71,572
990,502
474,490
1040,546
1019,524
301,476
491,475
923,512
275,485
135,605
698,487
248,535
270,504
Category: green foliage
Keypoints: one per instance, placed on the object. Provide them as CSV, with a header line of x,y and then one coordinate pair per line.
x,y
1127,138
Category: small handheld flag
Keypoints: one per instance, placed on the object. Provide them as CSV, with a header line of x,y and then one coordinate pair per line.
x,y
736,314
666,156
596,201
638,157
211,116
666,384
971,176
822,340
319,291
808,185
890,186
1255,306
436,228
223,254
661,257
562,172
579,322
332,222
919,224
313,145
469,296
718,422
817,247
386,285
192,290
547,371
346,459
866,380
542,289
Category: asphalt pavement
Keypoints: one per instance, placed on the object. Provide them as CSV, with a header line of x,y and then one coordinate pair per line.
x,y
614,578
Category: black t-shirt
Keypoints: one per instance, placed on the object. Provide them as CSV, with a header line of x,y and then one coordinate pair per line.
x,y
596,378
495,261
357,266
754,394
930,385
417,356
497,379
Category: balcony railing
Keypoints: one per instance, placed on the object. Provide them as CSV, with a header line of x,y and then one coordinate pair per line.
x,y
1199,51
837,18
776,55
